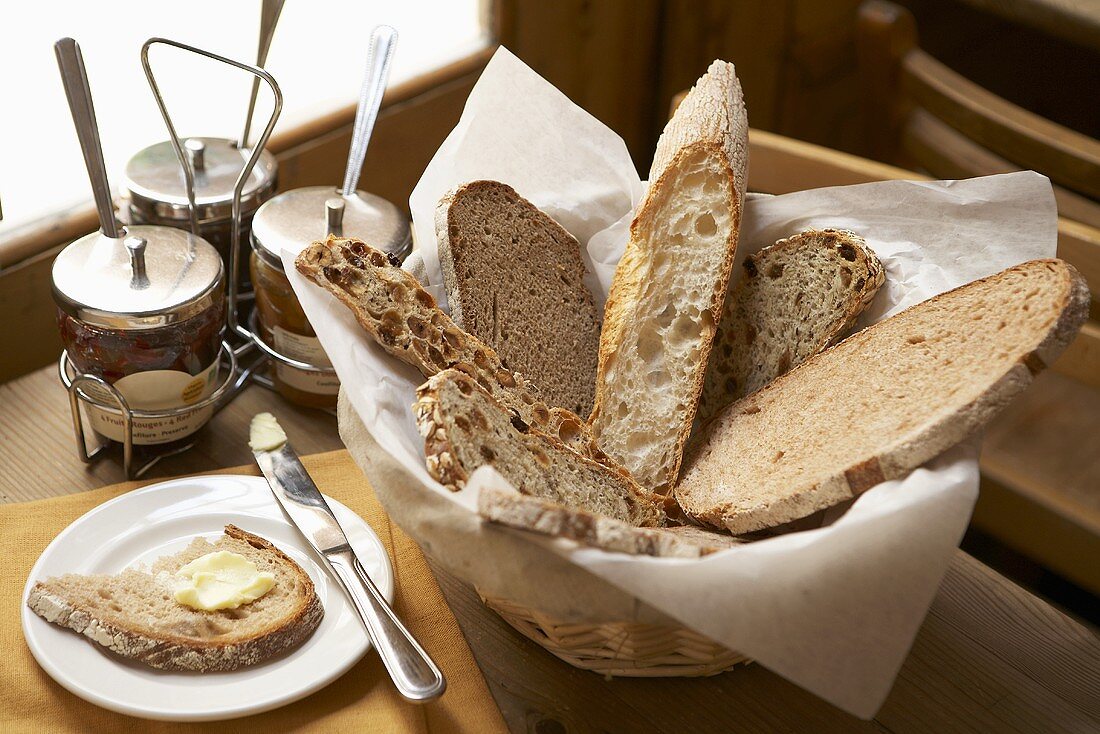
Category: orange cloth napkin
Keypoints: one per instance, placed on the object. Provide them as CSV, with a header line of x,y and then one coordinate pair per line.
x,y
362,700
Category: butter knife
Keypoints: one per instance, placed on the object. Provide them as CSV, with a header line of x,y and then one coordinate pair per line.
x,y
415,675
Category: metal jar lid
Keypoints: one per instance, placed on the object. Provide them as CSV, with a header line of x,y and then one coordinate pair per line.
x,y
150,277
296,218
155,186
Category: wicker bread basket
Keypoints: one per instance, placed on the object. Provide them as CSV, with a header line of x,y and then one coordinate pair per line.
x,y
579,617
620,648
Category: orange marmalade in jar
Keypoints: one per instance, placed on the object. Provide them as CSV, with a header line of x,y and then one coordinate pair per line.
x,y
291,222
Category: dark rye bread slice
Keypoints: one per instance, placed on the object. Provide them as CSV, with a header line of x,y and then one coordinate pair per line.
x,y
515,280
464,428
404,319
510,508
882,402
795,299
133,614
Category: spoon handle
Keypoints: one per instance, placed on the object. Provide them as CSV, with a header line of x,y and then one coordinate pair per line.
x,y
269,18
79,94
383,41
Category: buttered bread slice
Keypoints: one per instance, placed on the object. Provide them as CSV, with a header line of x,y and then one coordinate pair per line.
x,y
669,286
882,402
135,614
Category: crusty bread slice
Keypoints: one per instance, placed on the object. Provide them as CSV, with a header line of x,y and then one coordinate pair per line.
x,y
404,319
510,508
669,287
883,401
135,615
464,428
794,299
515,280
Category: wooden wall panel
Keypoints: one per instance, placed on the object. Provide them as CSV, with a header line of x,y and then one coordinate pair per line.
x,y
603,55
750,34
624,61
819,93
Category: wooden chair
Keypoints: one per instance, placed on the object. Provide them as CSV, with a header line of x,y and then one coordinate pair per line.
x,y
920,114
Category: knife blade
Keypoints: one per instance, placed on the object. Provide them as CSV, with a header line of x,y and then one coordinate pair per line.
x,y
413,672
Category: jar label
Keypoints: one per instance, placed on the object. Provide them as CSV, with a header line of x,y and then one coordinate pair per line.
x,y
304,349
154,390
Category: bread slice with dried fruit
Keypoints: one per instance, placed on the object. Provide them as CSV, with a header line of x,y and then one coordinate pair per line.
x,y
404,319
883,401
793,300
464,428
134,613
515,280
520,511
669,286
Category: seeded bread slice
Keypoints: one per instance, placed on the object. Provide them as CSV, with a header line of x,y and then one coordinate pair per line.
x,y
464,428
515,280
670,284
794,299
404,319
519,511
135,615
882,402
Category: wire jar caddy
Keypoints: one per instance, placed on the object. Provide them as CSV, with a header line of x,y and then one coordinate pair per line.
x,y
156,327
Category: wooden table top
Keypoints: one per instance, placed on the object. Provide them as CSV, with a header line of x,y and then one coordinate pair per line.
x,y
989,657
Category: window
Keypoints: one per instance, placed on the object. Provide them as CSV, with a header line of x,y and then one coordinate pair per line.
x,y
317,56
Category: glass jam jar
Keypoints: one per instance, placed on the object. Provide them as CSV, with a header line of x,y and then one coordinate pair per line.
x,y
153,190
145,312
290,222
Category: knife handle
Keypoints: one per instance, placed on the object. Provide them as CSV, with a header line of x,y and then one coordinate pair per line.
x,y
416,676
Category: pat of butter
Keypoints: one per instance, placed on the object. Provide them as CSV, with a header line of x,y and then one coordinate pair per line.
x,y
221,580
265,433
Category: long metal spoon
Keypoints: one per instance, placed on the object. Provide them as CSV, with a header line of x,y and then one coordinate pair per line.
x,y
79,94
383,41
269,18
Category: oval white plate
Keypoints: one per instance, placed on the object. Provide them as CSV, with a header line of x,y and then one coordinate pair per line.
x,y
162,519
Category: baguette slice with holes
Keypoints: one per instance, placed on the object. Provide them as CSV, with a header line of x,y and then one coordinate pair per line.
x,y
883,401
794,299
670,284
464,428
519,511
404,319
135,615
515,279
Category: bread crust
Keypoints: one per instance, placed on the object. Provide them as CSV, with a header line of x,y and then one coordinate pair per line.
x,y
536,515
173,652
910,450
710,121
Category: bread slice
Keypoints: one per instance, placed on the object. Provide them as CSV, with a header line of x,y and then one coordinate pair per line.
x,y
404,319
882,402
669,287
794,299
515,280
519,511
464,428
135,615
